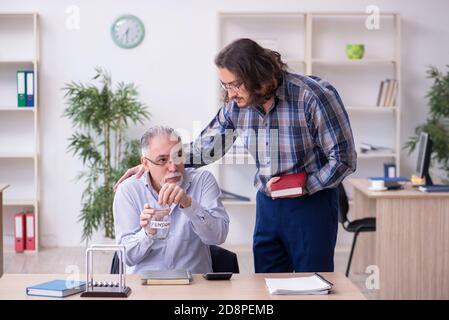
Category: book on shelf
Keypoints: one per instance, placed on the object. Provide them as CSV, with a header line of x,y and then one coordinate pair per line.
x,y
380,93
387,94
311,285
166,277
57,288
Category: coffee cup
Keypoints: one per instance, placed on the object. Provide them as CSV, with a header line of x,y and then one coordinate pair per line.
x,y
377,184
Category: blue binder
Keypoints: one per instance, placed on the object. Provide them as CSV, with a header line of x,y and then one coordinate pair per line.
x,y
29,88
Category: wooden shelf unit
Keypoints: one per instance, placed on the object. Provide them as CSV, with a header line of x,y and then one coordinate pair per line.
x,y
21,54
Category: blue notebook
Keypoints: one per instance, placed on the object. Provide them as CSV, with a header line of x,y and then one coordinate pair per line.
x,y
434,188
57,288
393,179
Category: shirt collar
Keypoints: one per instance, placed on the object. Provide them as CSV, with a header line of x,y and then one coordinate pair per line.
x,y
282,91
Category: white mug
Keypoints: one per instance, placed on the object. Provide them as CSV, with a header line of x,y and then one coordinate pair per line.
x,y
377,184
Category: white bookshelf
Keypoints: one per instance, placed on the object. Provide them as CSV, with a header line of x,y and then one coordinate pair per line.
x,y
328,34
314,43
19,127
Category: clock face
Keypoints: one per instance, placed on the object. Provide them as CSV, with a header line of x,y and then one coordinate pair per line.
x,y
127,31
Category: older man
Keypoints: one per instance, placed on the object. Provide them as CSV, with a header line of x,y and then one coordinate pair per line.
x,y
198,218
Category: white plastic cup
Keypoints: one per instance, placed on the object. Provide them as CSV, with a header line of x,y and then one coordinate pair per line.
x,y
377,184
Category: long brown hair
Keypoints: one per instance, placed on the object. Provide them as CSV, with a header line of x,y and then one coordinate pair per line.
x,y
260,70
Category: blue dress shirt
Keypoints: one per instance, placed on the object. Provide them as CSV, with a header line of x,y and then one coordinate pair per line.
x,y
192,229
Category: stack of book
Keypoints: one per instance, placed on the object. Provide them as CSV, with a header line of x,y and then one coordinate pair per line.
x,y
387,93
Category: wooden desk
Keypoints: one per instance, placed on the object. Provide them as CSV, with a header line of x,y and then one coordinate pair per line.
x,y
3,186
240,287
411,242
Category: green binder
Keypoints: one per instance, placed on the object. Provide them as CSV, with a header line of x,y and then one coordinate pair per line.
x,y
21,89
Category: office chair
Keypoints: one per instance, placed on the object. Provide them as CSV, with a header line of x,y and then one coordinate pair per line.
x,y
356,226
222,261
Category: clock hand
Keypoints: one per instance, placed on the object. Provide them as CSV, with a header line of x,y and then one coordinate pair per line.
x,y
126,34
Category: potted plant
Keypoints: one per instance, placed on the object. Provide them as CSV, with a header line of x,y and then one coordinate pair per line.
x,y
437,124
100,116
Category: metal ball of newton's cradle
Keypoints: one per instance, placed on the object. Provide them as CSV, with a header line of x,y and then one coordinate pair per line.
x,y
106,288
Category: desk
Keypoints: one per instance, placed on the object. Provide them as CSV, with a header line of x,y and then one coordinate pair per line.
x,y
411,242
240,287
3,186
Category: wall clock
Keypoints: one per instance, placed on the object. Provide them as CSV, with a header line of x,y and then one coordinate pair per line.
x,y
127,31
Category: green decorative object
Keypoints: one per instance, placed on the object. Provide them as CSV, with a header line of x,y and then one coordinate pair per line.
x,y
355,51
127,31
100,116
437,123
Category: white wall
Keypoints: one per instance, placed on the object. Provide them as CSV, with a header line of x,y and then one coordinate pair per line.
x,y
175,72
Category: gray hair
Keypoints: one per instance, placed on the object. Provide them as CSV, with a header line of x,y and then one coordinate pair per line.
x,y
156,132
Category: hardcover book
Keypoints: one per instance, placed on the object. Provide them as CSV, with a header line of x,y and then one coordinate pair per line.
x,y
289,185
56,288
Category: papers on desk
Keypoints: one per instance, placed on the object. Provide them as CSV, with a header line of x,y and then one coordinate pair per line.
x,y
315,284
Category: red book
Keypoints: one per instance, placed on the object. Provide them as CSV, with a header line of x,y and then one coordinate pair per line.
x,y
19,232
289,185
30,238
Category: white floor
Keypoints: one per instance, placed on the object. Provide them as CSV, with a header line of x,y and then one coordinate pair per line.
x,y
72,259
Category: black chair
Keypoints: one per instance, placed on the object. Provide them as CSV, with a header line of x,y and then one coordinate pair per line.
x,y
222,261
356,226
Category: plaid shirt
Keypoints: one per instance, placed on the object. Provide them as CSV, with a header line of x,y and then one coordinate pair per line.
x,y
307,129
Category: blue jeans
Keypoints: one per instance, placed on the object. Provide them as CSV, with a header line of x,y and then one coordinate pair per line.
x,y
296,234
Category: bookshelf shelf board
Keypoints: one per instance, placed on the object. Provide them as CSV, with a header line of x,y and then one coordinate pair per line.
x,y
375,155
16,61
348,62
18,202
13,109
17,155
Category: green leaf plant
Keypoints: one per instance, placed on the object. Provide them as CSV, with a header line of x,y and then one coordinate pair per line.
x,y
100,116
437,123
